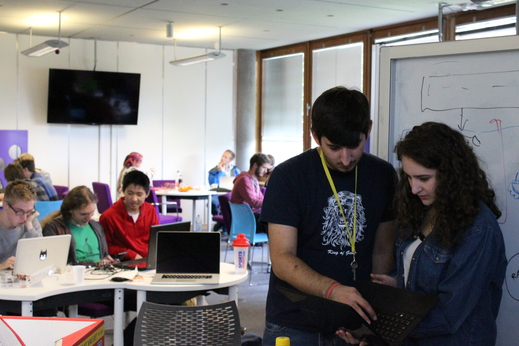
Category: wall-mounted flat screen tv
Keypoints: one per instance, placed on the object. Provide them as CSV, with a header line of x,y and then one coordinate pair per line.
x,y
93,97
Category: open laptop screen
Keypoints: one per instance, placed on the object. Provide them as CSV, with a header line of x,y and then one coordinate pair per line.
x,y
170,227
188,252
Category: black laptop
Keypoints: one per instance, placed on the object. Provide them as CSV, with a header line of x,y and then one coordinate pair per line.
x,y
149,263
187,258
398,312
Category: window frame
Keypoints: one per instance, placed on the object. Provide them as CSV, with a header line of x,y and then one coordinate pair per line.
x,y
368,38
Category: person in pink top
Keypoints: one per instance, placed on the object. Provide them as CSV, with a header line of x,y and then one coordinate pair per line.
x,y
246,186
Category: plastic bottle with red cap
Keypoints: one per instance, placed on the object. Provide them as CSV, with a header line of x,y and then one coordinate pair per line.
x,y
241,247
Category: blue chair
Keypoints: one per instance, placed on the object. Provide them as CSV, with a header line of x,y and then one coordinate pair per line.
x,y
163,219
46,207
243,221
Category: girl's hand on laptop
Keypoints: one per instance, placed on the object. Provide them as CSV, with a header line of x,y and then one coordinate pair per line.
x,y
383,279
349,337
109,260
8,264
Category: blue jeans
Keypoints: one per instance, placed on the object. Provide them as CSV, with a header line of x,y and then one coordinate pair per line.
x,y
299,337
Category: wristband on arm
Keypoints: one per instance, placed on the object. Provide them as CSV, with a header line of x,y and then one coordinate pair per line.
x,y
330,289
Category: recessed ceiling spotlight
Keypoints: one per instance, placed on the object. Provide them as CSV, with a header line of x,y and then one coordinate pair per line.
x,y
331,15
224,4
279,10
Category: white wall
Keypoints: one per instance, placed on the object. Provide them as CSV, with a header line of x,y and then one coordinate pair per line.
x,y
186,115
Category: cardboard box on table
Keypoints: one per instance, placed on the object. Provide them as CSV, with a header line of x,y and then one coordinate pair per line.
x,y
41,331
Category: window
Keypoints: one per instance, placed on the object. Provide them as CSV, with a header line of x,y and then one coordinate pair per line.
x,y
337,66
490,28
282,106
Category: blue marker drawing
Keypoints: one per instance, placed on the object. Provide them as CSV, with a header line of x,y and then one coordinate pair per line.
x,y
513,187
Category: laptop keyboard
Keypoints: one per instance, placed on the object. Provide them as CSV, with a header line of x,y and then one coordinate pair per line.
x,y
390,324
185,277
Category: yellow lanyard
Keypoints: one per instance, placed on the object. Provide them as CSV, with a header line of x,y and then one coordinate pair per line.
x,y
351,236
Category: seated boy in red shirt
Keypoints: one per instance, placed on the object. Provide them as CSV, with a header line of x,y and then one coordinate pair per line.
x,y
127,222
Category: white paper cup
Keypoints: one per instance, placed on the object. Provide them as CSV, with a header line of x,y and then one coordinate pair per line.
x,y
79,274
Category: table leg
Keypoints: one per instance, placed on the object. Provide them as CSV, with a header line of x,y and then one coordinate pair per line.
x,y
73,311
26,308
164,205
200,300
193,217
141,297
209,215
119,317
233,293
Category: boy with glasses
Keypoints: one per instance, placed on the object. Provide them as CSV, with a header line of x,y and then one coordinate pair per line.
x,y
17,220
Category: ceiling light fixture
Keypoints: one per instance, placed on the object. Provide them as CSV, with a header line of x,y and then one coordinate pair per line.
x,y
169,30
47,46
202,57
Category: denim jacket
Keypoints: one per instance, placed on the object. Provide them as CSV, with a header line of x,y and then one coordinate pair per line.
x,y
468,280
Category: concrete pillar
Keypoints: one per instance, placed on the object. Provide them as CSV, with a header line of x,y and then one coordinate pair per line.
x,y
245,107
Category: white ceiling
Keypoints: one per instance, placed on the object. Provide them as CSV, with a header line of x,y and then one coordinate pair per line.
x,y
246,24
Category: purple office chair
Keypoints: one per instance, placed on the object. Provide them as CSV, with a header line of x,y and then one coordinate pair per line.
x,y
225,220
61,190
153,200
172,208
102,191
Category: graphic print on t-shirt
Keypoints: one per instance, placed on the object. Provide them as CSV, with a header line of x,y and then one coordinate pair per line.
x,y
334,233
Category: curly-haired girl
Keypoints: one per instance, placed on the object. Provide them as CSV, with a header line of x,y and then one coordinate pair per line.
x,y
450,244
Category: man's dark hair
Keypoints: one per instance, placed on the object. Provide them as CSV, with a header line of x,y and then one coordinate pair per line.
x,y
341,115
136,178
29,164
259,159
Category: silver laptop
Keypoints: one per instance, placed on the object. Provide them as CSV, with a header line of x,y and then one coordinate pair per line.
x,y
187,258
226,183
35,254
148,263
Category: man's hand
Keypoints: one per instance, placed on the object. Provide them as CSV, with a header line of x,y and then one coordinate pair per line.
x,y
352,297
8,264
30,219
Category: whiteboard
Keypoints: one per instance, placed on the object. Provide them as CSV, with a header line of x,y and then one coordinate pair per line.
x,y
472,86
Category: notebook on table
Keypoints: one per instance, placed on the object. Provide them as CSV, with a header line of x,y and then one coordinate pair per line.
x,y
398,312
35,254
187,258
148,263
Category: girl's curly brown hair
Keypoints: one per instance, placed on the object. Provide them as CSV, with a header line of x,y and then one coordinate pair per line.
x,y
461,184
